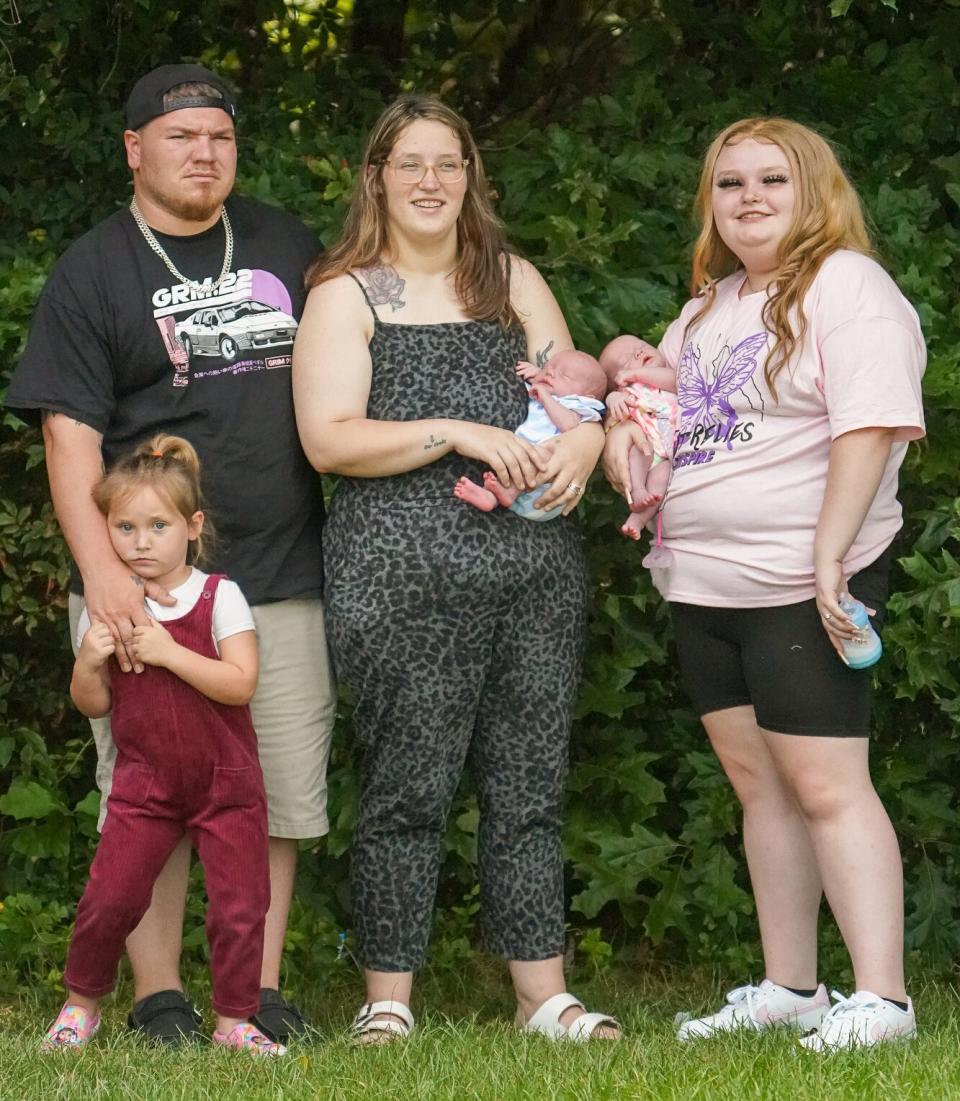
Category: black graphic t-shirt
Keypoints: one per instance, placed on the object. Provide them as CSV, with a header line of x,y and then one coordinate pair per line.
x,y
120,344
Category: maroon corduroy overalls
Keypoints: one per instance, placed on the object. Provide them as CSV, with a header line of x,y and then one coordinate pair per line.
x,y
184,764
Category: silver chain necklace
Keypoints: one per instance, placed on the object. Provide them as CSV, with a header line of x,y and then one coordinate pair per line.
x,y
154,244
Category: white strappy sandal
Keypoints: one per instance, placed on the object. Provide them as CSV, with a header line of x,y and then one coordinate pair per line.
x,y
372,1020
546,1020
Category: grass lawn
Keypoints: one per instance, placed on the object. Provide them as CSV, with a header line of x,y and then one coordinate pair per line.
x,y
465,1048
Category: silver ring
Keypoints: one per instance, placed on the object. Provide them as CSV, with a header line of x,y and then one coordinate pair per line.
x,y
827,616
578,489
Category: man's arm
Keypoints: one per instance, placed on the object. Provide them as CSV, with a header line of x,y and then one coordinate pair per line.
x,y
112,591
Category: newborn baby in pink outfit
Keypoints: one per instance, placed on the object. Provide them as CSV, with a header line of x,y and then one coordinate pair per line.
x,y
645,393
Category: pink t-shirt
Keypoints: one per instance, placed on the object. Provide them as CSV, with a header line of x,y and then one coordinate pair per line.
x,y
749,470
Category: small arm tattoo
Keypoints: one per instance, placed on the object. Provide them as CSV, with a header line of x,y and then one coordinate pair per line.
x,y
138,581
433,444
49,414
543,355
384,287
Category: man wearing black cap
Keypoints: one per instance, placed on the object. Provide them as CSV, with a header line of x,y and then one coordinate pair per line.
x,y
178,313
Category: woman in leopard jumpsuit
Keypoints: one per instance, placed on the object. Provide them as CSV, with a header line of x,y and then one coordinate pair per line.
x,y
459,631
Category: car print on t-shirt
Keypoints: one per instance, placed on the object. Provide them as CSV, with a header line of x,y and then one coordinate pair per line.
x,y
227,331
245,325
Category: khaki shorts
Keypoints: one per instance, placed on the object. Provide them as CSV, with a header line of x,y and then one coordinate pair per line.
x,y
293,712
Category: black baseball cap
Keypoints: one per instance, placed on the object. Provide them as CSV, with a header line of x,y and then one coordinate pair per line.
x,y
146,99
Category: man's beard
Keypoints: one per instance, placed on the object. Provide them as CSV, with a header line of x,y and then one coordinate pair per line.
x,y
198,207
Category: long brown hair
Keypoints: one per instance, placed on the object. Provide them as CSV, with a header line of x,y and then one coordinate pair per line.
x,y
827,216
169,466
481,280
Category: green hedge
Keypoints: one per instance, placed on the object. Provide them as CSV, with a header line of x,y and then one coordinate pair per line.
x,y
593,124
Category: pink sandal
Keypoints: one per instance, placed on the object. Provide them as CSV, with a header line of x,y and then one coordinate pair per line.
x,y
73,1029
247,1037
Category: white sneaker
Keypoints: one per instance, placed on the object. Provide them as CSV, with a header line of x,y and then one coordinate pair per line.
x,y
758,1007
862,1020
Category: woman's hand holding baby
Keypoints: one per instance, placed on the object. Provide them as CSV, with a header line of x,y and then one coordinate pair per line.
x,y
616,455
514,461
573,457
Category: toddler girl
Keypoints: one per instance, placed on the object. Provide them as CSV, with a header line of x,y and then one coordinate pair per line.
x,y
186,752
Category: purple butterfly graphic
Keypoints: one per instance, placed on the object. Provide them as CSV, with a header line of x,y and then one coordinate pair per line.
x,y
704,401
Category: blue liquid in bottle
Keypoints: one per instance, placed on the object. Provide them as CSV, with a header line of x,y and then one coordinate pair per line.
x,y
864,650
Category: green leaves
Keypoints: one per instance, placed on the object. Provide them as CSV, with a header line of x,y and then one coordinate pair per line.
x,y
839,8
931,927
27,799
927,615
618,866
34,933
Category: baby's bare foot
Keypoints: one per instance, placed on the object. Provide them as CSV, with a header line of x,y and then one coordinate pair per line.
x,y
475,495
632,529
644,499
503,496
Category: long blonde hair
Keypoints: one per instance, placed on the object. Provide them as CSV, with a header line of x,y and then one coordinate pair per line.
x,y
481,280
170,466
827,216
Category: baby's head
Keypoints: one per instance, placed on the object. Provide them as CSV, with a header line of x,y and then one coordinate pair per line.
x,y
623,353
169,466
575,373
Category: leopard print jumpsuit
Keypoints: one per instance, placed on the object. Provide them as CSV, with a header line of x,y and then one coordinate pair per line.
x,y
460,633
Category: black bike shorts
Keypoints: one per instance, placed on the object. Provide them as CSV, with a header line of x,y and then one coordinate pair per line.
x,y
780,661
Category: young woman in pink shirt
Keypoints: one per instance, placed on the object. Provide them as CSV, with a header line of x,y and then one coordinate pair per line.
x,y
798,366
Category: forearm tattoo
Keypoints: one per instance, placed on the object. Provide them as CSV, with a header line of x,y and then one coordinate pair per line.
x,y
384,287
543,355
433,444
138,581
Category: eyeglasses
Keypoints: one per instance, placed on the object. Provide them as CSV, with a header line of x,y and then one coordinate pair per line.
x,y
411,171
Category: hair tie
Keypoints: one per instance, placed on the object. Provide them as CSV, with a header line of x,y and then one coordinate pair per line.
x,y
157,454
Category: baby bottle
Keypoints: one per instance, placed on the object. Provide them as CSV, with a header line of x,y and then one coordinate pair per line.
x,y
865,649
